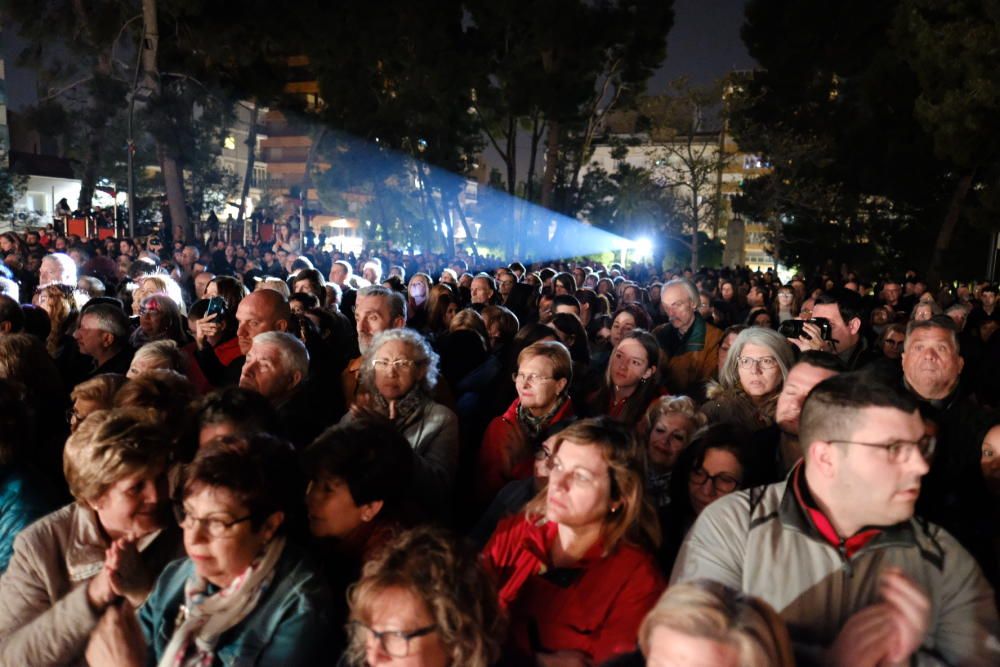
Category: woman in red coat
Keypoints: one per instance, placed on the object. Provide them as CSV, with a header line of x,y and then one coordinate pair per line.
x,y
544,374
575,571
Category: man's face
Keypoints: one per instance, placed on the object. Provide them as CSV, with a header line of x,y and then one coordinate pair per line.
x,y
931,362
373,317
755,297
678,306
189,256
201,282
892,344
545,311
31,238
265,373
50,272
869,489
891,293
255,316
91,340
800,381
989,298
338,274
480,290
506,283
844,333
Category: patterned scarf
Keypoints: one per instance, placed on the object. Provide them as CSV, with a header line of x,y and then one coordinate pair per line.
x,y
533,425
205,616
405,406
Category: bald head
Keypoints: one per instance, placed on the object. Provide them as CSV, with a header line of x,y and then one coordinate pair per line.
x,y
261,311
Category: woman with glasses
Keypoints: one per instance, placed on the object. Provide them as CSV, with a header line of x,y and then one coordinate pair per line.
x,y
716,463
543,376
746,394
243,595
159,319
399,371
109,545
575,570
424,602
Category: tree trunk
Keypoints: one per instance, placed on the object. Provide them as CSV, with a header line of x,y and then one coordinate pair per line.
x,y
947,230
695,219
251,157
465,225
173,174
551,163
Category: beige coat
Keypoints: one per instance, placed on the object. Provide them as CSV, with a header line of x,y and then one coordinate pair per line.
x,y
45,617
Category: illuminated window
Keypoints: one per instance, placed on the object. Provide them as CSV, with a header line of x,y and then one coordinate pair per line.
x,y
229,143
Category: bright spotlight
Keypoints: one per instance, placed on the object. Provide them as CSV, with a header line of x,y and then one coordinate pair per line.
x,y
643,247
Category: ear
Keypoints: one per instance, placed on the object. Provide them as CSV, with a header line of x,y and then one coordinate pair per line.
x,y
822,457
562,384
370,510
854,326
281,325
5,327
649,372
297,376
107,339
399,323
271,525
961,363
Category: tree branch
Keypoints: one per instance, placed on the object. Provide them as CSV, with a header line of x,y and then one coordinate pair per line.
x,y
56,93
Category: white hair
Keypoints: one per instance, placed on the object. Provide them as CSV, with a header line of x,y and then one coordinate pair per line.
x,y
293,353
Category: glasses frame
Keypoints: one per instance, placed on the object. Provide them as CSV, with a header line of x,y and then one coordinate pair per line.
x,y
405,636
754,363
925,446
714,479
530,378
183,517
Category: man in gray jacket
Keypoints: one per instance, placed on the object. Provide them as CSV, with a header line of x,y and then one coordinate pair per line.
x,y
836,549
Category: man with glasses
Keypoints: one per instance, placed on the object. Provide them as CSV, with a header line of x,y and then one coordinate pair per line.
x,y
836,548
102,334
377,309
691,343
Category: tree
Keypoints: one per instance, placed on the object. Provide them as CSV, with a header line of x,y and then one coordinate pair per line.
x,y
12,186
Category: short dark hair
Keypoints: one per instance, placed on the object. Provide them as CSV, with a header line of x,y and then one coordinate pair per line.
x,y
10,311
847,301
566,300
990,288
247,409
830,410
820,359
369,455
935,322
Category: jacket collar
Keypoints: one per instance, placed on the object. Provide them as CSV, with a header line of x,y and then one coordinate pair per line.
x,y
87,544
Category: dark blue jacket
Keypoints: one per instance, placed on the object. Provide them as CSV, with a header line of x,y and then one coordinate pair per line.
x,y
24,497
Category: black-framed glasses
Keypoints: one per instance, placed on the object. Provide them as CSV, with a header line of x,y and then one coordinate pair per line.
x,y
722,483
394,642
214,526
899,451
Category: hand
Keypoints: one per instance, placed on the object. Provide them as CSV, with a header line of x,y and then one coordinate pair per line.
x,y
813,342
117,639
911,613
563,659
207,328
864,639
100,594
129,577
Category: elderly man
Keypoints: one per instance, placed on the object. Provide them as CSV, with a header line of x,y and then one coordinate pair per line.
x,y
277,368
341,274
482,290
377,309
57,268
102,334
691,343
836,549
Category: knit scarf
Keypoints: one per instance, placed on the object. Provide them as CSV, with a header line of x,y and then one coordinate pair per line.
x,y
205,616
533,425
405,406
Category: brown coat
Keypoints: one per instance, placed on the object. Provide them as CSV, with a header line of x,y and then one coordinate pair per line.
x,y
45,617
688,372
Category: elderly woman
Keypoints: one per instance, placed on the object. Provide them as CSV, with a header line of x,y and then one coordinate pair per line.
x,y
94,394
159,319
158,355
157,283
631,379
399,370
424,602
243,595
544,373
70,566
706,623
747,391
667,427
575,570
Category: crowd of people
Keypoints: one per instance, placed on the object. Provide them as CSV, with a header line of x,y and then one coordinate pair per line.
x,y
275,453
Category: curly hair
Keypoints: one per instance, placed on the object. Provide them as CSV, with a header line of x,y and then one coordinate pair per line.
x,y
421,352
445,575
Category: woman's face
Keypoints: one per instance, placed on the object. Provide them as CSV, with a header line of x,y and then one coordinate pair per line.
x,y
923,312
450,313
51,301
392,380
785,297
538,395
152,321
145,288
603,336
400,610
225,556
629,364
134,505
763,320
5,244
560,288
144,364
622,325
579,490
669,437
418,290
720,474
671,648
726,290
756,380
81,410
332,510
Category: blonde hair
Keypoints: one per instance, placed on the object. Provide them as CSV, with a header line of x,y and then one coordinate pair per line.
x,y
665,405
166,352
557,355
108,446
100,389
635,521
448,580
713,611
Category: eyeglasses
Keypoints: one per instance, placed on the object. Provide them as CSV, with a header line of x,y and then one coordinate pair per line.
x,y
893,343
577,476
530,378
394,642
899,451
215,527
721,483
764,363
398,365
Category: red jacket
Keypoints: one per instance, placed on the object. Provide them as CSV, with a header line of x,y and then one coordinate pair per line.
x,y
595,608
502,457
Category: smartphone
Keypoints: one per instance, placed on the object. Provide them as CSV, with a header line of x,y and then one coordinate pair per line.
x,y
216,306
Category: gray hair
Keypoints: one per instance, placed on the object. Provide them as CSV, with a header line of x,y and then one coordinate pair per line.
x,y
66,265
397,303
108,317
164,350
422,353
729,377
293,353
686,284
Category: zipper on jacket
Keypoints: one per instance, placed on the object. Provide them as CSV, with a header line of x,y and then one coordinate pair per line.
x,y
846,562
